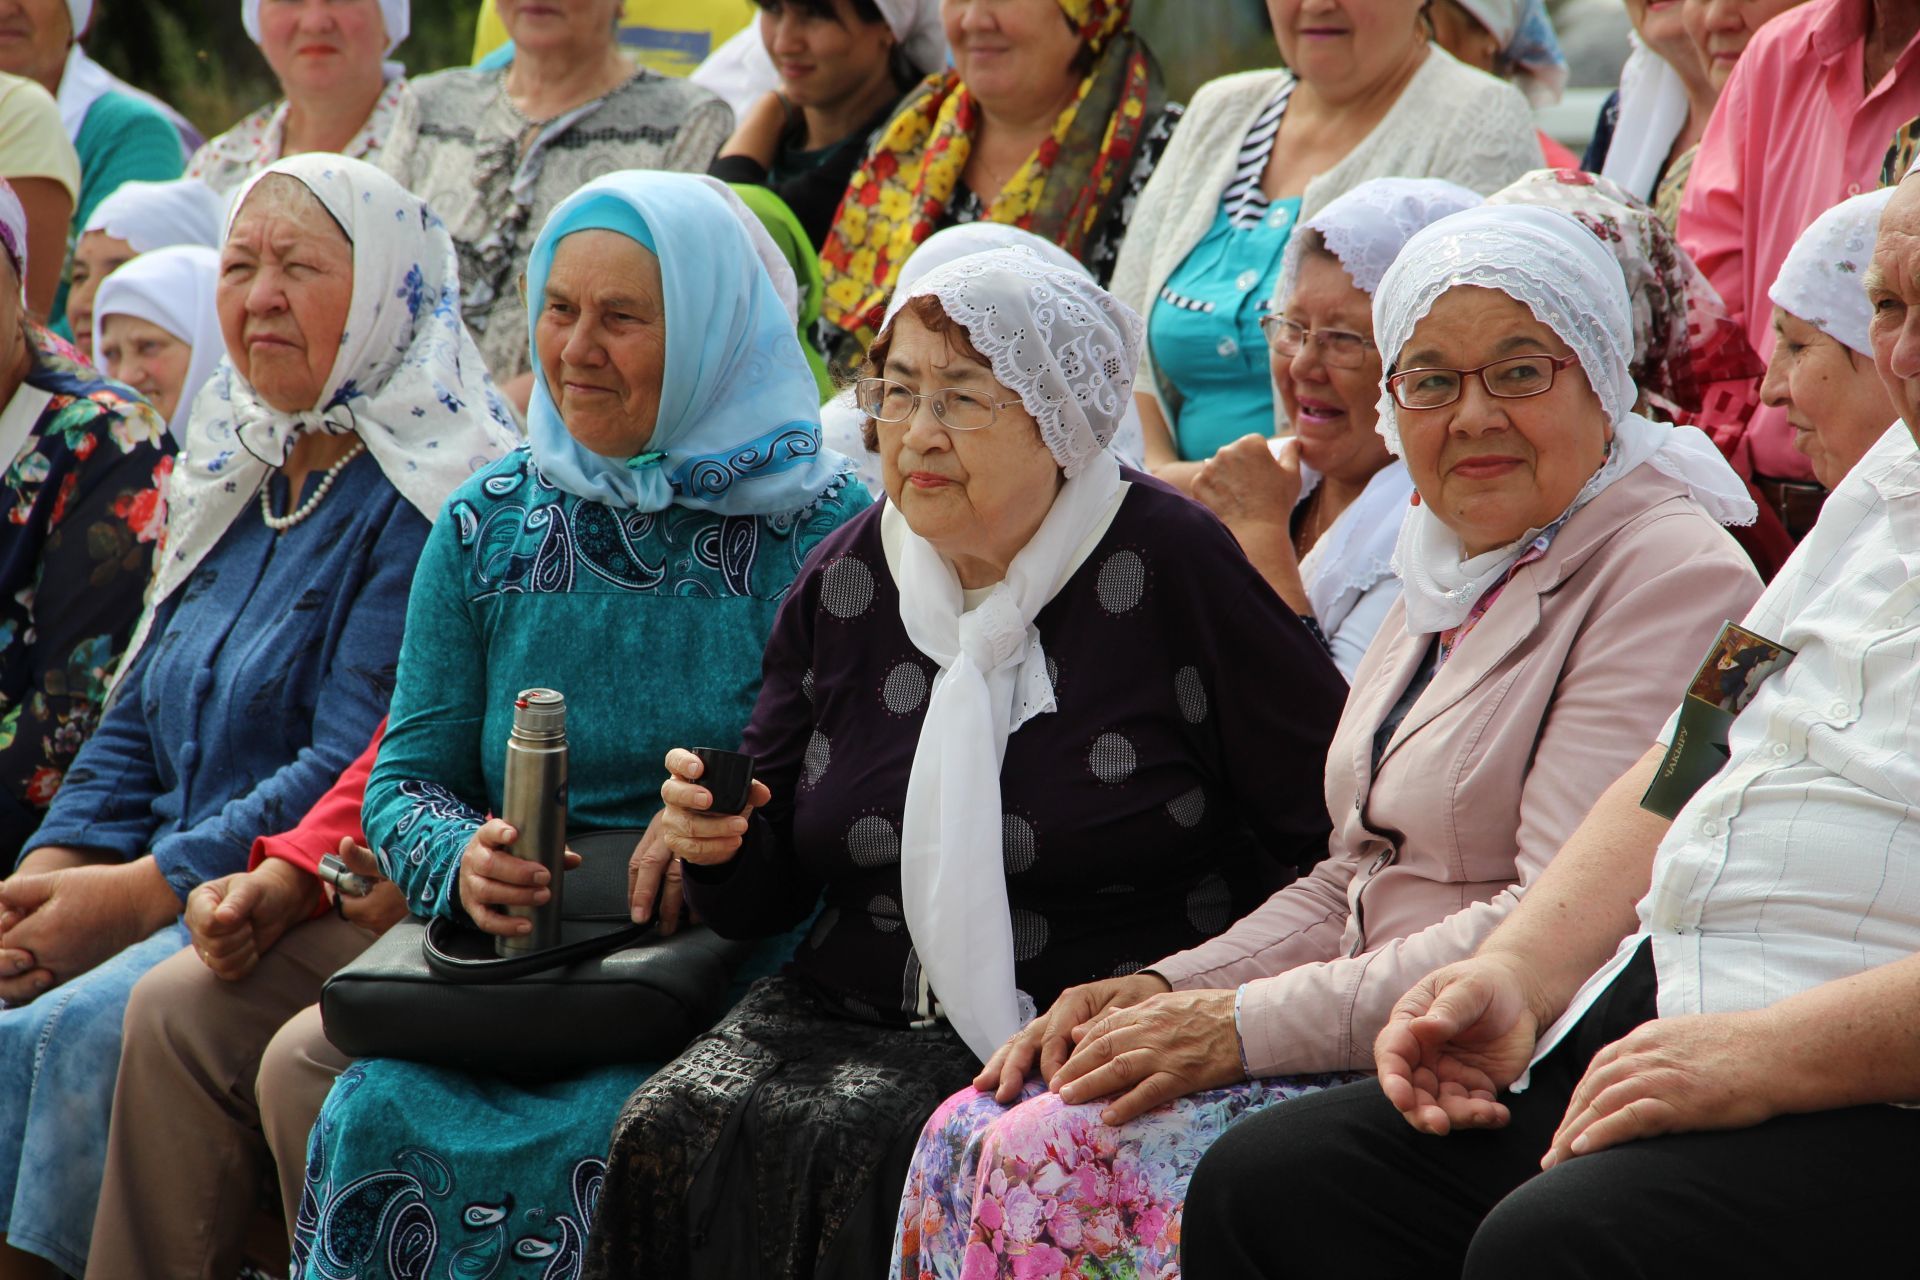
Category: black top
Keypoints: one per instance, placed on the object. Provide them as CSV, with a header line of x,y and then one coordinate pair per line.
x,y
1177,784
811,182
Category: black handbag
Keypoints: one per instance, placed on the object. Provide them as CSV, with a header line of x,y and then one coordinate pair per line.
x,y
611,991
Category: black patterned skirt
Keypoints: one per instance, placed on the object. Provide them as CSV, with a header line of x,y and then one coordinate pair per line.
x,y
774,1147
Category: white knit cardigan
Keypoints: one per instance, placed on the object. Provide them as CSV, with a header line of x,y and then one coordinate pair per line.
x,y
1451,122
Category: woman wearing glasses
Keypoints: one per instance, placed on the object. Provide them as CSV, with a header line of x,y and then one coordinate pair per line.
x,y
1016,729
1563,575
1318,512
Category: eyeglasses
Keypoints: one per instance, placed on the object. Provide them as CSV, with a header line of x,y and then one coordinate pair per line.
x,y
1338,348
956,408
1514,378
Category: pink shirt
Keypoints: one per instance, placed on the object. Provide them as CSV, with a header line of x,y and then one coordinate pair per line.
x,y
1795,133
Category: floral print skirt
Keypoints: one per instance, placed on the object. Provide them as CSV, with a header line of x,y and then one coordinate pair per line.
x,y
1042,1189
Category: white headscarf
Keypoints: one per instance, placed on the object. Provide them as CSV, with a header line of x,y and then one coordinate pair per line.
x,y
1571,284
407,377
153,215
1653,110
1068,349
740,70
1821,280
841,421
1528,42
173,288
398,15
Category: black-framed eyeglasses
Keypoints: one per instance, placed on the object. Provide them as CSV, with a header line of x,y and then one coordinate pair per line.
x,y
1338,347
957,408
1514,378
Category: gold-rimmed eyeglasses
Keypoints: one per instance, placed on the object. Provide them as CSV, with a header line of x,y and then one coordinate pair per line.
x,y
1514,378
956,408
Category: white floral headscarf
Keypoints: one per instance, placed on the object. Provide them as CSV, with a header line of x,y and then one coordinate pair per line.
x,y
1821,280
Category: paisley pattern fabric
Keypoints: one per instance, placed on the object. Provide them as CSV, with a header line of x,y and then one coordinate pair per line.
x,y
1040,1189
900,196
83,501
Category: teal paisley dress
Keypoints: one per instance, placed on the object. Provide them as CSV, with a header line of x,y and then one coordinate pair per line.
x,y
652,624
82,507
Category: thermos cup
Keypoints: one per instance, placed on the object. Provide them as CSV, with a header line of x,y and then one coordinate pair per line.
x,y
534,803
727,776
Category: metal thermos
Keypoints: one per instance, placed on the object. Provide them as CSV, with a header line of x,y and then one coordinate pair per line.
x,y
534,803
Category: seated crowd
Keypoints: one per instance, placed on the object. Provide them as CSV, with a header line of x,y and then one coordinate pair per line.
x,y
1202,592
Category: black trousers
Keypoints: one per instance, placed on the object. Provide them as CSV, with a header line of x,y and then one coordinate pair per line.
x,y
1336,1184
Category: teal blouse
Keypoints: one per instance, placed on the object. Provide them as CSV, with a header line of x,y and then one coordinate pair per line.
x,y
122,140
1204,330
651,623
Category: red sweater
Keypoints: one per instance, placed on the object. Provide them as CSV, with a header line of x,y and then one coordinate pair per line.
x,y
335,815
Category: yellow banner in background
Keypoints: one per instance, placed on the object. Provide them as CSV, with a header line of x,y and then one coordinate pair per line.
x,y
671,37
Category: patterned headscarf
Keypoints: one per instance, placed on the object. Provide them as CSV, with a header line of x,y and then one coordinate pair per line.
x,y
738,425
1690,356
1821,280
900,194
1527,43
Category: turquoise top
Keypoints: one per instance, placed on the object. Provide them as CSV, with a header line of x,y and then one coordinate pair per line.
x,y
121,140
1204,331
651,623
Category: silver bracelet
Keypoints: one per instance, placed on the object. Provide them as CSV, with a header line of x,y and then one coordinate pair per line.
x,y
1239,1037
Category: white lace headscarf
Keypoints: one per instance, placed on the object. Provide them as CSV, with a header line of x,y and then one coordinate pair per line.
x,y
1821,280
1068,349
1571,284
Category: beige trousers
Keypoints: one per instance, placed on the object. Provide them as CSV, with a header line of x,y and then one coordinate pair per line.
x,y
205,1066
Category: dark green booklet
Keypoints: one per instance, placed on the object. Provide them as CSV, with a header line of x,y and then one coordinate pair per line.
x,y
1736,666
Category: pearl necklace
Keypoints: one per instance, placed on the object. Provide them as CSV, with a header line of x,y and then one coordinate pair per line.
x,y
280,524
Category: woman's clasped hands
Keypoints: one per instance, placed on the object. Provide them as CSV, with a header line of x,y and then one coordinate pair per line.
x,y
63,911
1133,1039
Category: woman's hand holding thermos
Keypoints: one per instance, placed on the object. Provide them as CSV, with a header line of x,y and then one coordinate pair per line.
x,y
492,878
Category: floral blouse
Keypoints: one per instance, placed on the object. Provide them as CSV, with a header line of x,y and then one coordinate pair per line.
x,y
84,504
259,139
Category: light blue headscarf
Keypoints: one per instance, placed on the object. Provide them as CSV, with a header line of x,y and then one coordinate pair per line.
x,y
738,430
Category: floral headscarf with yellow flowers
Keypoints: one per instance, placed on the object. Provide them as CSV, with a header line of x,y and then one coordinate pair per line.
x,y
898,197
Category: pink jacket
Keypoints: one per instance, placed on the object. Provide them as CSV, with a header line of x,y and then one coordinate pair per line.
x,y
1563,684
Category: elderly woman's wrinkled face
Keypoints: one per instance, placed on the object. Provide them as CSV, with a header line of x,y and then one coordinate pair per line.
x,y
314,46
34,35
147,358
1334,409
1893,291
286,283
97,256
977,496
1011,51
1834,398
1720,30
1491,468
602,340
824,58
550,24
1343,47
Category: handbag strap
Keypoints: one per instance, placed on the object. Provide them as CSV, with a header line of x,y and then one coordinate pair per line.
x,y
506,968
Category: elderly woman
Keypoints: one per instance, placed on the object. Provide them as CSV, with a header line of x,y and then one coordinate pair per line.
x,y
1512,39
1051,119
121,133
611,547
1318,514
341,95
1365,96
1578,541
1822,370
846,428
1650,127
989,805
347,408
842,68
157,329
138,218
82,462
494,150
